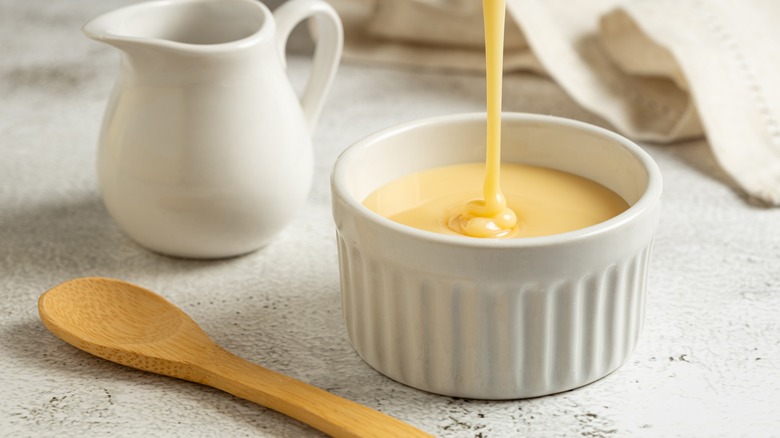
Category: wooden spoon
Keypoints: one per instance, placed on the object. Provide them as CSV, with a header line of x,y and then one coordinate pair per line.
x,y
132,326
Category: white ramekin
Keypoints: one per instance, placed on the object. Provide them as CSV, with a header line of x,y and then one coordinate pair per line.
x,y
494,319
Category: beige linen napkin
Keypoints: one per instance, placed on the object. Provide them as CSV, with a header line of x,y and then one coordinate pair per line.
x,y
435,33
658,70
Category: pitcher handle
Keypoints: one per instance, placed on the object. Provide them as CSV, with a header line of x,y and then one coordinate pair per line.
x,y
328,35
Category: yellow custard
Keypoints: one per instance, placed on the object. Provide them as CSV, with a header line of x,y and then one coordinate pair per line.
x,y
468,199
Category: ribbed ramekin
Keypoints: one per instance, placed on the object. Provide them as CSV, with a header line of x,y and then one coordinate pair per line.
x,y
494,319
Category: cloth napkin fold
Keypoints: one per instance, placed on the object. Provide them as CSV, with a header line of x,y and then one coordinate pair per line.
x,y
657,70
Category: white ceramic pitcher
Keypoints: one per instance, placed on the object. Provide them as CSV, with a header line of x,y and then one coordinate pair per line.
x,y
205,150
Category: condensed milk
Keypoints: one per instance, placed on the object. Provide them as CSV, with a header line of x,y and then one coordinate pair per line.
x,y
538,201
547,201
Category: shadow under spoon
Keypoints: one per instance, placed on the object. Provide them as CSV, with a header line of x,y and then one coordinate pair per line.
x,y
133,326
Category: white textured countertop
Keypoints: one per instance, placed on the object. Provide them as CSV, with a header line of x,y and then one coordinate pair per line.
x,y
707,364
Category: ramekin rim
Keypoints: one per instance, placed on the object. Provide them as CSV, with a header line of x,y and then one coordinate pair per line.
x,y
649,197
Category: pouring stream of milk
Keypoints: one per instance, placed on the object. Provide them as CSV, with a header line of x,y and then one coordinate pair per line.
x,y
490,217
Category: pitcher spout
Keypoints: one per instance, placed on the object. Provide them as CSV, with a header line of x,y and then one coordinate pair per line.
x,y
112,29
104,28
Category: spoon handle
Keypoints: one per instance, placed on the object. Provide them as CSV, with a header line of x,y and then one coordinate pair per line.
x,y
320,409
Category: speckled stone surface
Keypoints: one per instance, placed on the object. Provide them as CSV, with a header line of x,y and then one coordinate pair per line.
x,y
707,364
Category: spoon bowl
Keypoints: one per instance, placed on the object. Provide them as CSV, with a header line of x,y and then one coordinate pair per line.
x,y
133,326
